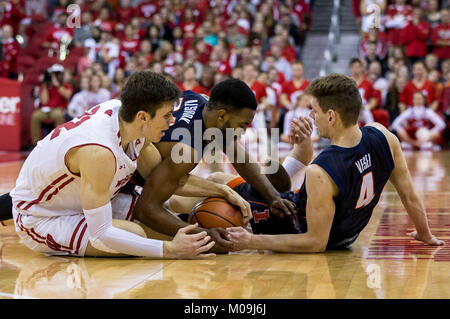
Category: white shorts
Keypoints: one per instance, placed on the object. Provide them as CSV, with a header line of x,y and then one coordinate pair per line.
x,y
65,235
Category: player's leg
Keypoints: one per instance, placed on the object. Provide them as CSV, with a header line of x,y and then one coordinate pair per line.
x,y
35,125
5,207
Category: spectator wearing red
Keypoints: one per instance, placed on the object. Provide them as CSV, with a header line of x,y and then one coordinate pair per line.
x,y
419,83
269,62
368,93
397,17
303,13
55,33
190,81
249,75
10,51
104,21
356,9
273,91
146,9
292,89
374,35
125,12
54,98
419,126
189,24
414,36
12,14
440,36
130,44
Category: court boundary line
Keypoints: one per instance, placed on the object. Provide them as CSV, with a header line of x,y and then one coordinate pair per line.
x,y
14,296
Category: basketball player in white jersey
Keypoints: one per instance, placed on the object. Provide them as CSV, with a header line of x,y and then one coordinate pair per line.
x,y
66,200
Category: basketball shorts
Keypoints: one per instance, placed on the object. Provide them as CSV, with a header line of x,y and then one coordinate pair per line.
x,y
263,222
66,235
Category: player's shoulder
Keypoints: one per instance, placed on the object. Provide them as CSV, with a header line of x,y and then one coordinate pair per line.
x,y
391,139
193,95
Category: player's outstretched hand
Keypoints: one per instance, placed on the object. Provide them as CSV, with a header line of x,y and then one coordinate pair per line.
x,y
234,198
432,241
189,246
220,237
282,207
301,130
240,238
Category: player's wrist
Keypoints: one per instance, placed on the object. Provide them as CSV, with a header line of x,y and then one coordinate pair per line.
x,y
168,250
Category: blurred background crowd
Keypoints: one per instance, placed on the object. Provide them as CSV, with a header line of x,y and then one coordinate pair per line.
x,y
74,57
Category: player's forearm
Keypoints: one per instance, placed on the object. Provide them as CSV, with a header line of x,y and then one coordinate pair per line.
x,y
298,243
195,186
416,211
251,172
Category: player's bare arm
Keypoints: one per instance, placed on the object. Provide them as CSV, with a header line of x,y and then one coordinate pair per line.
x,y
320,210
401,179
161,184
96,167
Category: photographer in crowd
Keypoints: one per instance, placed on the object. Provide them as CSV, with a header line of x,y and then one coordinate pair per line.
x,y
54,97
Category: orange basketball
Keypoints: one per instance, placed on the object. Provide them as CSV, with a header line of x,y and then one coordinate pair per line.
x,y
215,212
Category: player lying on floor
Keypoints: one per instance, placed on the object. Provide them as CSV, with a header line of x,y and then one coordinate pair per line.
x,y
342,185
67,199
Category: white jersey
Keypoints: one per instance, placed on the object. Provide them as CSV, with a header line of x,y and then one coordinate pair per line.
x,y
46,187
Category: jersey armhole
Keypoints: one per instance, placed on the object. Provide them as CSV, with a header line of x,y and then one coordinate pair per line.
x,y
86,144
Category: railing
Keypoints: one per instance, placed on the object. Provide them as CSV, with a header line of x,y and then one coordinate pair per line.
x,y
330,53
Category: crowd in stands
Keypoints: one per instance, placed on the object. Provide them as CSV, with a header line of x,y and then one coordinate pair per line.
x,y
405,62
200,43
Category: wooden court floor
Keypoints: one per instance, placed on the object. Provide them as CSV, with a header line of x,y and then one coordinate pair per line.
x,y
383,263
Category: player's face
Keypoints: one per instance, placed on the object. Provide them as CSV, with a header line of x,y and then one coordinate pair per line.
x,y
156,126
238,120
320,118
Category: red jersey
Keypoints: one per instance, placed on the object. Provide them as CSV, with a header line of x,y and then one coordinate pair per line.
x,y
414,37
189,29
197,89
441,33
293,91
148,8
124,15
55,33
10,52
259,90
301,9
131,46
11,15
224,68
367,91
56,99
382,45
428,89
397,13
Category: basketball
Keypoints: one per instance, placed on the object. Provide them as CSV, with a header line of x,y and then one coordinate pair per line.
x,y
215,212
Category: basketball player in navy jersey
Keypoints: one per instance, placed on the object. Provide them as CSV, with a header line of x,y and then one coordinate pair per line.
x,y
232,104
342,186
344,183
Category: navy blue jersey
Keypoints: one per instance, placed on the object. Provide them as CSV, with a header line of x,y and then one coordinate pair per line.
x,y
263,222
189,126
360,174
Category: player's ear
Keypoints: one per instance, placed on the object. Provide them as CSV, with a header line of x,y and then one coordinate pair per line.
x,y
222,115
142,116
331,116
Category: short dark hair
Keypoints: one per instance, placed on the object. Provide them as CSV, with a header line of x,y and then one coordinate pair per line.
x,y
146,91
232,93
340,93
421,62
355,60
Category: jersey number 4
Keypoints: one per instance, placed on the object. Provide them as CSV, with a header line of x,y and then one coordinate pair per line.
x,y
366,194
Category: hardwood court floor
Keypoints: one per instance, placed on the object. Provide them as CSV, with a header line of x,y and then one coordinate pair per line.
x,y
383,263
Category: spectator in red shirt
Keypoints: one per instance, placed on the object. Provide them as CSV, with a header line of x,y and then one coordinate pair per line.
x,y
10,51
54,98
146,9
12,14
292,89
55,33
130,44
366,89
374,35
190,81
414,36
440,36
104,21
397,17
419,83
250,74
125,12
